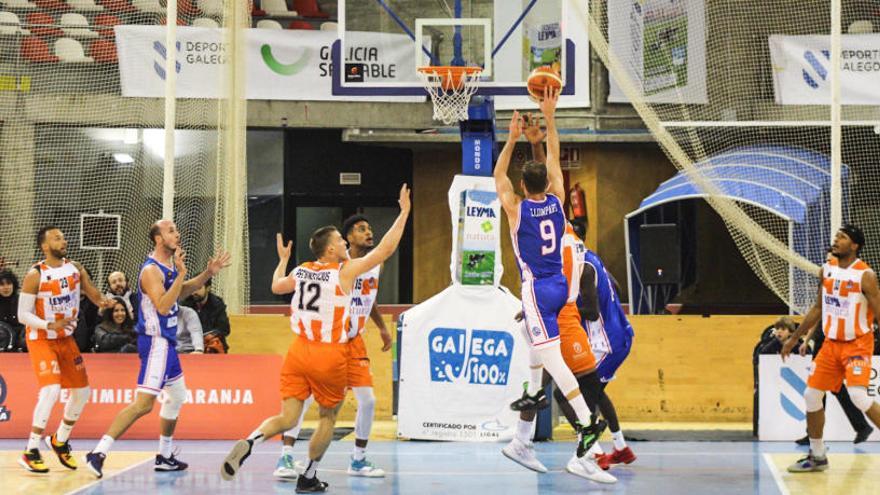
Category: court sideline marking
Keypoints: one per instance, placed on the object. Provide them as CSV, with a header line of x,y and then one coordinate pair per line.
x,y
777,477
98,481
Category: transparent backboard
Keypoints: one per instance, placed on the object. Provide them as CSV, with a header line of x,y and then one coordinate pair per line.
x,y
383,42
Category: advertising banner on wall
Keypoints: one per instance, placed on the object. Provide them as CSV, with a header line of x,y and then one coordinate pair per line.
x,y
663,46
281,64
226,395
781,410
476,227
463,360
801,69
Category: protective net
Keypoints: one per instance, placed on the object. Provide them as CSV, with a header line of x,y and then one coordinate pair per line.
x,y
71,144
737,94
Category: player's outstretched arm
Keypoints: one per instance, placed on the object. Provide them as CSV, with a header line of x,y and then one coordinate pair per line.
x,y
353,268
27,299
89,289
588,305
503,186
282,283
154,287
218,262
535,137
554,170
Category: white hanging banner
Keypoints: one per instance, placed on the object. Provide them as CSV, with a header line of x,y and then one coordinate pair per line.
x,y
802,64
476,226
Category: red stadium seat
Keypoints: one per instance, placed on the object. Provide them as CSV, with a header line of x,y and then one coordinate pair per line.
x,y
187,7
309,8
118,6
103,51
43,24
52,5
34,49
300,25
180,21
104,24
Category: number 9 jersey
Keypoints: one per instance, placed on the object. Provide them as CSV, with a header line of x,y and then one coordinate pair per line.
x,y
319,309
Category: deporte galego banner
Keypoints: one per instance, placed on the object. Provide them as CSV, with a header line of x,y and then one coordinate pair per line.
x,y
281,65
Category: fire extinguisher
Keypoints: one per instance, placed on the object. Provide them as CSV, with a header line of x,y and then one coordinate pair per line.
x,y
578,202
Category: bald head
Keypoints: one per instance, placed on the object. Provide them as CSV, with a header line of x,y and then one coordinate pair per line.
x,y
164,233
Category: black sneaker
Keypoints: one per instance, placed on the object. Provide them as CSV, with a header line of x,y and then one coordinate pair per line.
x,y
95,463
169,463
530,402
803,441
33,461
863,434
240,451
588,435
310,485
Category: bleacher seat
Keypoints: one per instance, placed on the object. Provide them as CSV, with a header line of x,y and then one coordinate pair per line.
x,y
18,4
10,25
278,8
69,50
85,5
148,6
269,24
52,5
118,6
180,21
205,22
329,26
43,24
309,8
104,24
76,26
211,7
103,51
34,49
301,25
255,12
186,7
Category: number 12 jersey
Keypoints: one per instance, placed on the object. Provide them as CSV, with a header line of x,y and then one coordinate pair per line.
x,y
319,309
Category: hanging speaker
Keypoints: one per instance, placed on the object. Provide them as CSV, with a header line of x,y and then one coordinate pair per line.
x,y
659,254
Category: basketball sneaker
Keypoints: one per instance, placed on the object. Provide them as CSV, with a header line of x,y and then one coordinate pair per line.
x,y
169,463
524,455
284,468
588,435
62,450
809,463
95,463
33,461
624,456
364,468
310,485
530,402
585,467
240,451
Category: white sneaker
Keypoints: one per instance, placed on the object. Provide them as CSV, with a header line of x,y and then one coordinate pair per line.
x,y
299,467
284,469
586,467
523,454
365,468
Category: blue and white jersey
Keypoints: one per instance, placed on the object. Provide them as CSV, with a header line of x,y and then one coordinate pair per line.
x,y
149,321
537,237
612,331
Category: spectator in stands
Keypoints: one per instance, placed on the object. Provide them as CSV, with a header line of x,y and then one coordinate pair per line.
x,y
116,331
190,338
212,313
117,286
87,321
11,331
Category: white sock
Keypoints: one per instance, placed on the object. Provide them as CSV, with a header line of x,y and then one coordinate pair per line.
x,y
524,431
63,433
817,447
312,469
257,437
619,442
34,441
104,445
359,453
287,450
164,446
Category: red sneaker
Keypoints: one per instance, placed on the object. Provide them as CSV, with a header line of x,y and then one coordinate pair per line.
x,y
603,461
624,456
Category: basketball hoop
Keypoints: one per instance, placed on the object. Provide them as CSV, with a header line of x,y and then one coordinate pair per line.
x,y
451,89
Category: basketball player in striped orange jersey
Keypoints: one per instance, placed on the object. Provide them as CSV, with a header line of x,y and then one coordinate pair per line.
x,y
49,306
317,360
848,300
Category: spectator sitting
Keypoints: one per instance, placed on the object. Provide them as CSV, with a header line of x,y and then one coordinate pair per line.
x,y
775,336
117,286
116,332
189,332
212,313
11,331
88,319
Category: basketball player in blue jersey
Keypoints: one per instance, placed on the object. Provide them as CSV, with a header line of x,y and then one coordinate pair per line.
x,y
161,283
537,223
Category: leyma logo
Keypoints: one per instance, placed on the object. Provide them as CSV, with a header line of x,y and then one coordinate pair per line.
x,y
478,357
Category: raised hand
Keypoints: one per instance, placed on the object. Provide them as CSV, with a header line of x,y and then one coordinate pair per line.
x,y
548,104
180,261
516,126
532,130
218,262
283,250
404,200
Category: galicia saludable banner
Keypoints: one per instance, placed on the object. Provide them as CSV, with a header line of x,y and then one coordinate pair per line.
x,y
281,64
226,395
802,65
781,411
463,360
476,223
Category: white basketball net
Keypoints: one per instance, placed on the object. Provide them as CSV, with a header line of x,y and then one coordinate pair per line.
x,y
451,104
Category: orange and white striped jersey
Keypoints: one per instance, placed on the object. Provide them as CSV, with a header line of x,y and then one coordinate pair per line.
x,y
319,308
846,314
573,250
57,298
363,297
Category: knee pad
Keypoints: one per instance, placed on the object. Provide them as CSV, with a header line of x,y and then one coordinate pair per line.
x,y
76,401
813,399
551,357
859,397
174,397
363,421
46,400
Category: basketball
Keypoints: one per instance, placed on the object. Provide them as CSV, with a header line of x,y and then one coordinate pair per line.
x,y
539,79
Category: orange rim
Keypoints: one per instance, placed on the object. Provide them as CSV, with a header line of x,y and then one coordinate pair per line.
x,y
451,75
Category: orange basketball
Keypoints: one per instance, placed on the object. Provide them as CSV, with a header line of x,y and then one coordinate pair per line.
x,y
541,78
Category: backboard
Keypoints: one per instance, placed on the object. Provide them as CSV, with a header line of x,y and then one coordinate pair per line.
x,y
383,42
